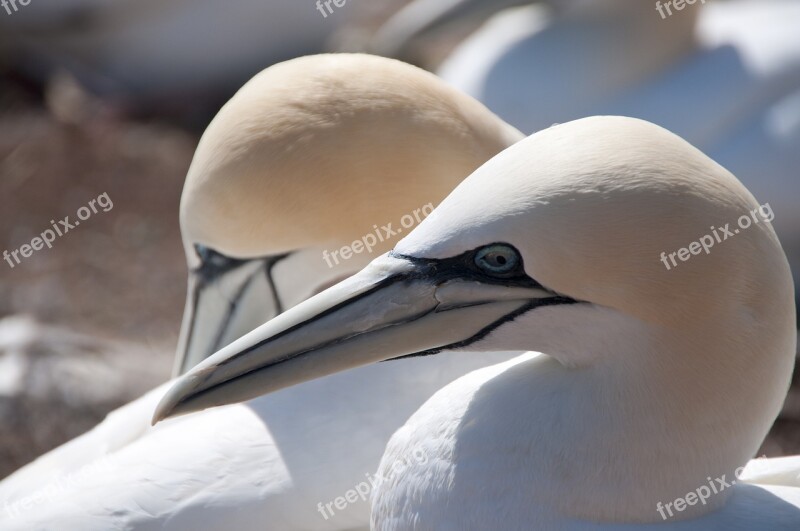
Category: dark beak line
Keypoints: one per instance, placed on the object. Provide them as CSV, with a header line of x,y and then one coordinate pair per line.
x,y
269,263
438,269
307,351
206,276
378,286
231,311
485,331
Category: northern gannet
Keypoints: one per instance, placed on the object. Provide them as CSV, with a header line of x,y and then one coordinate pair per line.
x,y
648,383
308,156
303,161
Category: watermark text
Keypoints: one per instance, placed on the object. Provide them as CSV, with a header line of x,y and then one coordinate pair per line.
x,y
8,5
48,236
702,493
380,234
58,487
363,489
324,6
665,9
718,235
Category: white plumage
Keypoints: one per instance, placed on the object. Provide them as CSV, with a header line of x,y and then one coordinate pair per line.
x,y
652,382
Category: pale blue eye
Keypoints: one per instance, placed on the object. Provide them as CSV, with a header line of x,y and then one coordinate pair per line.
x,y
497,259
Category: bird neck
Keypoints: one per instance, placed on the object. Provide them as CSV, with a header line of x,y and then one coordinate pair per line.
x,y
656,416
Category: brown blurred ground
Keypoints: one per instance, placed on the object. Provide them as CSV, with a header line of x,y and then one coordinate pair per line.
x,y
118,277
119,274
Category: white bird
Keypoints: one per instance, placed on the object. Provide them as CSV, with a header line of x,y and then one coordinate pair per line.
x,y
653,379
308,157
725,76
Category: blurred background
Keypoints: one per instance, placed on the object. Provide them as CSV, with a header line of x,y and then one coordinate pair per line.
x,y
111,96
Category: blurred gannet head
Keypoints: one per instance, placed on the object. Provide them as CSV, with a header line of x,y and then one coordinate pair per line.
x,y
311,155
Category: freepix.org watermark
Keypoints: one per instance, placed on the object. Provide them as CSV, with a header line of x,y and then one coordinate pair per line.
x,y
665,9
363,489
8,5
324,6
381,234
58,487
48,236
704,492
718,235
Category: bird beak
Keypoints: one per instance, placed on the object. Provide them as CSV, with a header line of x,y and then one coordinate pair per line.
x,y
222,305
396,306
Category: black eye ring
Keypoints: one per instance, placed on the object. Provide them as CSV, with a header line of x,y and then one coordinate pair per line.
x,y
497,259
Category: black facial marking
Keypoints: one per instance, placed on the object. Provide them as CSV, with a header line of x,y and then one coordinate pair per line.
x,y
269,265
463,266
485,331
440,270
213,264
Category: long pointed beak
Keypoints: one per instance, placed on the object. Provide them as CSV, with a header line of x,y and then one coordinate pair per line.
x,y
395,307
222,306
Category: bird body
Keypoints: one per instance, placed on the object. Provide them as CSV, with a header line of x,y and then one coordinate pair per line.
x,y
643,383
273,462
476,436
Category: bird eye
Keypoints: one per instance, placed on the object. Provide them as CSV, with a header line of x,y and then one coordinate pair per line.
x,y
497,259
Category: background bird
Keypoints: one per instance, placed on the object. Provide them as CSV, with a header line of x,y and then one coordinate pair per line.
x,y
294,165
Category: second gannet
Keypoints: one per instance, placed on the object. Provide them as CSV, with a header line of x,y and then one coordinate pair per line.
x,y
648,382
308,157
